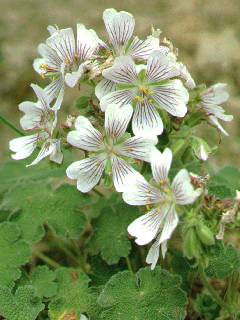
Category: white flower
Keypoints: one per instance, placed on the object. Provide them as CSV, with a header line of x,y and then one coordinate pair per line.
x,y
41,118
107,151
211,99
160,222
146,88
65,59
120,27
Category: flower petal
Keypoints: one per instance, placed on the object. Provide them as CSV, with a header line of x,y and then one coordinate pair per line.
x,y
55,90
214,121
42,96
50,56
138,147
146,227
141,193
56,155
46,149
160,164
23,146
168,225
172,97
160,67
141,49
119,98
183,189
117,120
123,71
122,172
32,116
87,172
87,42
72,78
63,43
104,87
86,137
119,26
146,120
216,94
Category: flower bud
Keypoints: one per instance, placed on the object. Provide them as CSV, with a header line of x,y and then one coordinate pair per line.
x,y
191,245
205,234
200,148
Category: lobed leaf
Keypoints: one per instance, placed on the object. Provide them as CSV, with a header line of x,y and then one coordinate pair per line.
x,y
148,295
14,252
110,237
39,204
23,305
223,260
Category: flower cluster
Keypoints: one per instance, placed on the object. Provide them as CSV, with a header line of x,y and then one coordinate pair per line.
x,y
138,85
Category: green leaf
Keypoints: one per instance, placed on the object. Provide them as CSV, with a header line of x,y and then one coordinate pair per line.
x,y
14,252
101,272
39,204
13,173
73,297
110,237
207,307
23,305
225,183
148,295
42,280
82,102
223,260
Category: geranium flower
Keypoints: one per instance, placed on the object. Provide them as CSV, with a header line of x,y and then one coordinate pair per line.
x,y
160,222
108,151
120,28
39,117
147,88
211,99
65,59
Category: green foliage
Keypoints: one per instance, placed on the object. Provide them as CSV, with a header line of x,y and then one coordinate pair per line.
x,y
43,280
225,183
39,204
207,307
223,260
148,295
14,252
82,102
74,296
23,305
110,237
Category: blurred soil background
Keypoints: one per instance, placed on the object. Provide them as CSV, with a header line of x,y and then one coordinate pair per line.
x,y
207,34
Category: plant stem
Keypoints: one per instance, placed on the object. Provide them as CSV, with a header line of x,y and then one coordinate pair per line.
x,y
129,265
212,292
100,194
10,125
48,260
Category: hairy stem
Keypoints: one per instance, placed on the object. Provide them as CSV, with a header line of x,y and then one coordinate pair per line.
x,y
212,291
129,265
48,260
10,125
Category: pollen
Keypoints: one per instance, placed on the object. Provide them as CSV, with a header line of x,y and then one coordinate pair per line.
x,y
139,99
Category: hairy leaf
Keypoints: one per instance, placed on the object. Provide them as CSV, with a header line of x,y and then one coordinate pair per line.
x,y
148,295
225,183
223,260
39,204
23,305
14,252
42,280
110,237
73,297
